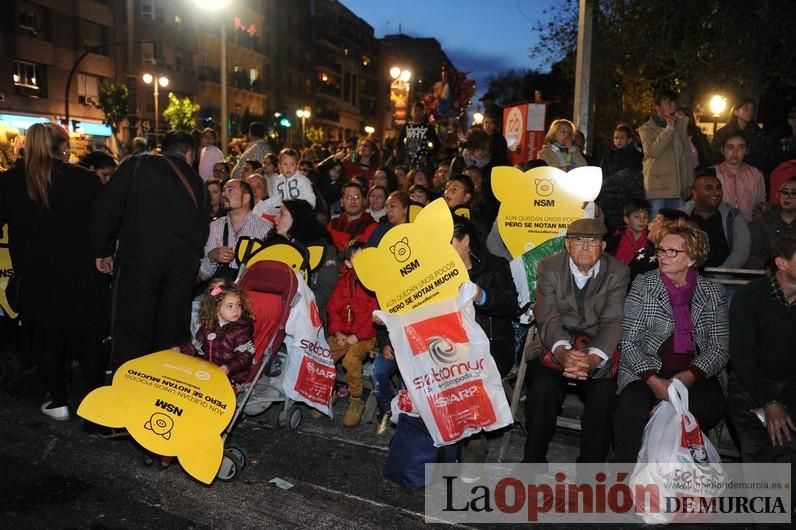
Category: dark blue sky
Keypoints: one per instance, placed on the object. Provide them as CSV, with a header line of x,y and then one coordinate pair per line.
x,y
482,36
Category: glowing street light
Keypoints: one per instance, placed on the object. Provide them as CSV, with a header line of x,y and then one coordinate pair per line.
x,y
304,115
396,72
163,81
218,5
478,118
717,105
369,129
399,94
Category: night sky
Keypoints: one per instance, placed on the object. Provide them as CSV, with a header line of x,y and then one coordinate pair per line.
x,y
482,36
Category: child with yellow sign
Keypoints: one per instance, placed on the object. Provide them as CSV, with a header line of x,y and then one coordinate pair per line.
x,y
351,331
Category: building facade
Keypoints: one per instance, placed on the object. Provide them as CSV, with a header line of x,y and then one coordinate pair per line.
x,y
40,43
282,56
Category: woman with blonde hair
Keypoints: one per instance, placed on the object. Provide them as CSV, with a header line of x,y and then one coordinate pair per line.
x,y
559,148
47,205
675,326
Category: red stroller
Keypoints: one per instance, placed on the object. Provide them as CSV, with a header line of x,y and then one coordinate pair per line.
x,y
271,287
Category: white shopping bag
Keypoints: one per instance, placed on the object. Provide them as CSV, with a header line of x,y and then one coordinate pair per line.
x,y
310,373
444,360
676,457
402,404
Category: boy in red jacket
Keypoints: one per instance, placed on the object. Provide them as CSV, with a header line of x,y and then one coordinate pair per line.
x,y
351,331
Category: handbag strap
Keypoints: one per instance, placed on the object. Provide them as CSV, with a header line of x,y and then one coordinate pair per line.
x,y
182,177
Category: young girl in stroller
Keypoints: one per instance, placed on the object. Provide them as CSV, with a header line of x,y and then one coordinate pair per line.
x,y
226,330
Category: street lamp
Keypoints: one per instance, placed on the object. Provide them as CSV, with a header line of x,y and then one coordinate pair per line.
x,y
304,114
163,81
478,118
399,94
369,129
396,72
717,105
218,5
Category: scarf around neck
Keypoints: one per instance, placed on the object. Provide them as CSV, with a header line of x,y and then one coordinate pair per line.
x,y
680,298
629,246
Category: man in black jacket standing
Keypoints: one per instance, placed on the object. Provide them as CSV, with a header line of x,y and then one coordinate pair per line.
x,y
156,206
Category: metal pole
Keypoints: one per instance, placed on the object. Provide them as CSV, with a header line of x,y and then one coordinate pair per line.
x,y
224,98
71,74
582,111
157,117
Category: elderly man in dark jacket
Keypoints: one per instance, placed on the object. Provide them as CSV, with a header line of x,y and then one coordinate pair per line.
x,y
580,296
156,206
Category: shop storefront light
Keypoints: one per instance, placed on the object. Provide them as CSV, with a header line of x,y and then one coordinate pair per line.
x,y
22,122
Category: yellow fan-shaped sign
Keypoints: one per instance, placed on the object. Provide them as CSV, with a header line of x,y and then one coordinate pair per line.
x,y
414,262
540,203
172,404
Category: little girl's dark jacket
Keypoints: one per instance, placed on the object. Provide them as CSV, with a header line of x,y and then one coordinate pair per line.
x,y
230,345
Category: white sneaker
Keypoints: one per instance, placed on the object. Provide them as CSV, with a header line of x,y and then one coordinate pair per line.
x,y
58,413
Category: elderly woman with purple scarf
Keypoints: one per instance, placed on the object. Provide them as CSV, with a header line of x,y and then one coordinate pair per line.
x,y
675,326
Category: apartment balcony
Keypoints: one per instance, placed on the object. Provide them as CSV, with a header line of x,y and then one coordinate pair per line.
x,y
243,39
235,80
326,115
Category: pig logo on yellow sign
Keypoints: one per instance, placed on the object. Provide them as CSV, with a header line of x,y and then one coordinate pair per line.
x,y
540,203
414,262
172,404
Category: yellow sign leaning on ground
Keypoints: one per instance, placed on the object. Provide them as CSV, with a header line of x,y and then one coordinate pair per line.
x,y
540,203
414,262
172,404
6,272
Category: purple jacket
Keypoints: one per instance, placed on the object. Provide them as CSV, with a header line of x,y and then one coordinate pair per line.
x,y
230,345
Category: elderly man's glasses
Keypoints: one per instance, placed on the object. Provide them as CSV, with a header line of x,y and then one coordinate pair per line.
x,y
788,194
352,197
668,252
585,241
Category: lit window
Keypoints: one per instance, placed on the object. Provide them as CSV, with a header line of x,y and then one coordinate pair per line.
x,y
26,75
29,79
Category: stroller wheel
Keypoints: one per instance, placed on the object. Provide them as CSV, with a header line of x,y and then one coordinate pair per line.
x,y
231,466
294,417
238,451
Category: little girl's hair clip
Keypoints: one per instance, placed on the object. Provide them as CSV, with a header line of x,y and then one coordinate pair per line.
x,y
215,291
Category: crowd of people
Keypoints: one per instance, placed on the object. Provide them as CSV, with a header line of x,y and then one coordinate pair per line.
x,y
622,311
